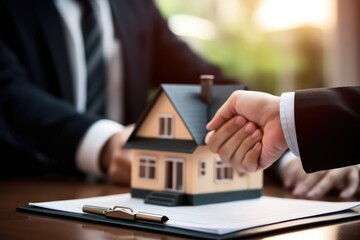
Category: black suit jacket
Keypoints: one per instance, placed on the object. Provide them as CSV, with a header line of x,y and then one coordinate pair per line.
x,y
328,127
38,120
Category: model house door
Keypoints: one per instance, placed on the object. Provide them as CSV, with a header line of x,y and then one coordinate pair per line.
x,y
174,174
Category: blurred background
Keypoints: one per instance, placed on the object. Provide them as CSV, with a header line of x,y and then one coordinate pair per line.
x,y
273,45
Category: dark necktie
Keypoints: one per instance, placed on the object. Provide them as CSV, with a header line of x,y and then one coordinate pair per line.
x,y
91,31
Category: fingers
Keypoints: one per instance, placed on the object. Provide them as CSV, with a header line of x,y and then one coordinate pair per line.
x,y
225,112
231,146
250,165
293,173
316,185
352,184
346,178
236,142
224,133
313,186
114,160
244,155
119,170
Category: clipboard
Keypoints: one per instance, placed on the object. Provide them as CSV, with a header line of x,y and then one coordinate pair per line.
x,y
298,224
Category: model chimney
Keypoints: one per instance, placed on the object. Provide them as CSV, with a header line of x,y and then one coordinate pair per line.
x,y
206,82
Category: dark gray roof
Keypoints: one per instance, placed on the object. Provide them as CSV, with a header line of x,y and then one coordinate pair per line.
x,y
191,109
194,112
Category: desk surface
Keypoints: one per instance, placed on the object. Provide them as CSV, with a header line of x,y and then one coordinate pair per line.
x,y
18,225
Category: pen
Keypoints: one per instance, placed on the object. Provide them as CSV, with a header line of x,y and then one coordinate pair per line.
x,y
125,213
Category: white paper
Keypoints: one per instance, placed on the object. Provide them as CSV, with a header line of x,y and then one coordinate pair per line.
x,y
220,218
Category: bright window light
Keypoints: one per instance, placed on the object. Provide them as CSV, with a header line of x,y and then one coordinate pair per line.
x,y
278,15
191,26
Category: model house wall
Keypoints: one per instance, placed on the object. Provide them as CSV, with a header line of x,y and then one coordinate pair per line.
x,y
196,180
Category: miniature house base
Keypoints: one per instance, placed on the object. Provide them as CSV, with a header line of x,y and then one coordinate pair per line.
x,y
171,165
167,198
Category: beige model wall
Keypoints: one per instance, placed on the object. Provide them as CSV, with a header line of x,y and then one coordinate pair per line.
x,y
150,126
208,183
159,183
193,183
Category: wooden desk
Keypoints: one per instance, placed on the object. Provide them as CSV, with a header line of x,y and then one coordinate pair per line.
x,y
18,225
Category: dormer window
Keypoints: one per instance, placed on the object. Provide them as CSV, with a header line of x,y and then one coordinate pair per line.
x,y
166,126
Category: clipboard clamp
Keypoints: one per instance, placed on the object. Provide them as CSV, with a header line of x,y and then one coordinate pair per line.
x,y
127,213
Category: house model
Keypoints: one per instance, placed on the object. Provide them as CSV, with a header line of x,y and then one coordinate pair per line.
x,y
171,164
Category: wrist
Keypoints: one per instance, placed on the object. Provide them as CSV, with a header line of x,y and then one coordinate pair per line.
x,y
275,118
90,150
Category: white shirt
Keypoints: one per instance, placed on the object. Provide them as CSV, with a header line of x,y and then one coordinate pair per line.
x,y
87,155
287,116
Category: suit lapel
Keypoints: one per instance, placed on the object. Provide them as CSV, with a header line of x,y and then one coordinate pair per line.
x,y
55,39
122,26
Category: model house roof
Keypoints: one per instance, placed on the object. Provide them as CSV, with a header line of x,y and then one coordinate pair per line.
x,y
192,109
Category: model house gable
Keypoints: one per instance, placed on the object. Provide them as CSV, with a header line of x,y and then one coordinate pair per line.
x,y
174,121
163,121
191,108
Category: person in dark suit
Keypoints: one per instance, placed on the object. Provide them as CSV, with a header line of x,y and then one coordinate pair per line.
x,y
321,126
46,124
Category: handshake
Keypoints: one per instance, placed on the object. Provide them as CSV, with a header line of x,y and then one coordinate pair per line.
x,y
321,126
246,131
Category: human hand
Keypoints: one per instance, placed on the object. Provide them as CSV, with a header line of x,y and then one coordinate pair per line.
x,y
315,185
115,160
263,110
236,141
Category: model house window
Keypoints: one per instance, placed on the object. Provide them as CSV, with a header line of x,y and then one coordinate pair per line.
x,y
224,171
147,167
202,168
166,123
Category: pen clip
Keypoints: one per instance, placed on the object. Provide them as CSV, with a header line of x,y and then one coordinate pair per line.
x,y
121,212
115,212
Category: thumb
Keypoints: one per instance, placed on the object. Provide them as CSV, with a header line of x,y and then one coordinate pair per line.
x,y
225,112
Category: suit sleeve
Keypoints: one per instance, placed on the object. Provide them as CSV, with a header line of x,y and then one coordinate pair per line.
x,y
32,119
328,127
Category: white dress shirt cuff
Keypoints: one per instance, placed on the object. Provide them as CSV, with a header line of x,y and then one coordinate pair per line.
x,y
88,152
287,116
285,160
